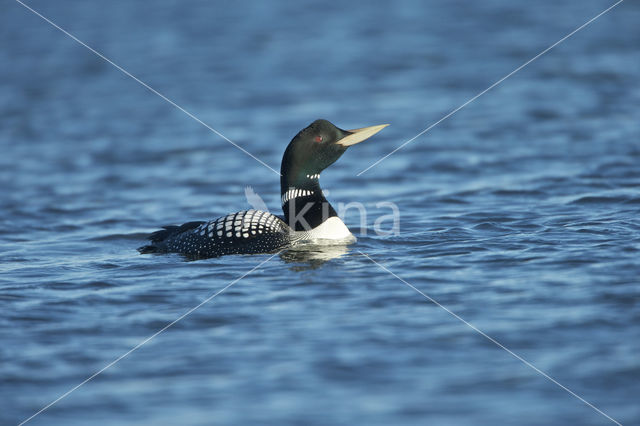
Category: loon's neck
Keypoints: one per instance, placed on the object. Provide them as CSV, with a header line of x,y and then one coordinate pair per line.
x,y
303,203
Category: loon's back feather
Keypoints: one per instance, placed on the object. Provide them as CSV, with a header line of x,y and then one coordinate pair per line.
x,y
165,233
244,232
170,230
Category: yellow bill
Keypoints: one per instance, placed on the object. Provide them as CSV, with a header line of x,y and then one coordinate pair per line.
x,y
358,135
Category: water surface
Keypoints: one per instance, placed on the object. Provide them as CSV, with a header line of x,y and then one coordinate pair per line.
x,y
520,213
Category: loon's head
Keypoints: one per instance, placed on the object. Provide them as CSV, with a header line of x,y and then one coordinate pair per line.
x,y
318,146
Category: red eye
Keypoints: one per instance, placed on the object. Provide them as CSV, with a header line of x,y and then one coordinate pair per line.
x,y
318,138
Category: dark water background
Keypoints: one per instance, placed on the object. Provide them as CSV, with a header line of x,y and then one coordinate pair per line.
x,y
520,213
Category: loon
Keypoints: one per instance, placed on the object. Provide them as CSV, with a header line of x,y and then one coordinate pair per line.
x,y
308,216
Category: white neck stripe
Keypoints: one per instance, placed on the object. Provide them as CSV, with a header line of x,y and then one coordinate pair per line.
x,y
294,193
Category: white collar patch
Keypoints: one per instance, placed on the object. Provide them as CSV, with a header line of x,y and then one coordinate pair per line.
x,y
294,193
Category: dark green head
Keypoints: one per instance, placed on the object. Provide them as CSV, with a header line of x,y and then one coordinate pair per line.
x,y
316,147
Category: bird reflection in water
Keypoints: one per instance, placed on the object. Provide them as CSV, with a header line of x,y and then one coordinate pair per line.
x,y
312,256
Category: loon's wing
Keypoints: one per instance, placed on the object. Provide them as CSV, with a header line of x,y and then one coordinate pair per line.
x,y
245,232
168,231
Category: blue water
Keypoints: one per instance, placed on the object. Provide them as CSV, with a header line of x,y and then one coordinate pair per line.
x,y
520,213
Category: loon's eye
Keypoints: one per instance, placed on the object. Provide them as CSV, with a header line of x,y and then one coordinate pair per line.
x,y
318,138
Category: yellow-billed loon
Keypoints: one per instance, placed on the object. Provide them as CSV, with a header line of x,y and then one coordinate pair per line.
x,y
308,216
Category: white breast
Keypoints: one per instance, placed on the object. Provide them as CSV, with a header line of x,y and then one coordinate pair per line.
x,y
331,229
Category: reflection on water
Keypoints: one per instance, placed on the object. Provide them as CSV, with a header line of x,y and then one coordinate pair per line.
x,y
312,256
